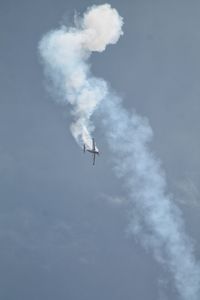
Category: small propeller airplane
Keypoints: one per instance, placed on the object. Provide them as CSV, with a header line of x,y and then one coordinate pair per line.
x,y
94,150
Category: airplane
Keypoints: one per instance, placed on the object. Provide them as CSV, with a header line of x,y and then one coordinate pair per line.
x,y
94,150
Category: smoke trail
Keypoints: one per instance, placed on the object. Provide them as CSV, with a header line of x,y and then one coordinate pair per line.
x,y
155,218
65,53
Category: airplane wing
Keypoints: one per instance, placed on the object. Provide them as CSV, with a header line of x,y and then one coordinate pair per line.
x,y
93,144
94,159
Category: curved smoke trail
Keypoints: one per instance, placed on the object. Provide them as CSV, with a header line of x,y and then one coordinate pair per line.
x,y
155,218
65,52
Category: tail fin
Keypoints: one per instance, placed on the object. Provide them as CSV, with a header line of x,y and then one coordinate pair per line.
x,y
93,144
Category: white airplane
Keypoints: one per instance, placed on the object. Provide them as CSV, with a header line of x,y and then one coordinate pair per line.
x,y
94,150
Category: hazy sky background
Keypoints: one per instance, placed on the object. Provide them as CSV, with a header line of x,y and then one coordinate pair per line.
x,y
63,222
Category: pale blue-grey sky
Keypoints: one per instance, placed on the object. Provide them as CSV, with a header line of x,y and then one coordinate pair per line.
x,y
62,226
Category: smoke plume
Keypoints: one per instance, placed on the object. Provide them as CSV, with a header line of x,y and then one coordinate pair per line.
x,y
155,219
65,52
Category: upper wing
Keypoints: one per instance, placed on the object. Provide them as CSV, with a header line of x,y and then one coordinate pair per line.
x,y
94,159
93,144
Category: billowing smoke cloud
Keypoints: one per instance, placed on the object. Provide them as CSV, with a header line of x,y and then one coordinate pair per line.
x,y
65,53
155,219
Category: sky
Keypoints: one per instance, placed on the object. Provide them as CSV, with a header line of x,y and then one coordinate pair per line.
x,y
63,223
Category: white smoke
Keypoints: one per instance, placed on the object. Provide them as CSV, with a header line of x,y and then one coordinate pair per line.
x,y
102,26
155,219
65,52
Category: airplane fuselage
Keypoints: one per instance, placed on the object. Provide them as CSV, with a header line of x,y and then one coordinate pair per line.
x,y
94,150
